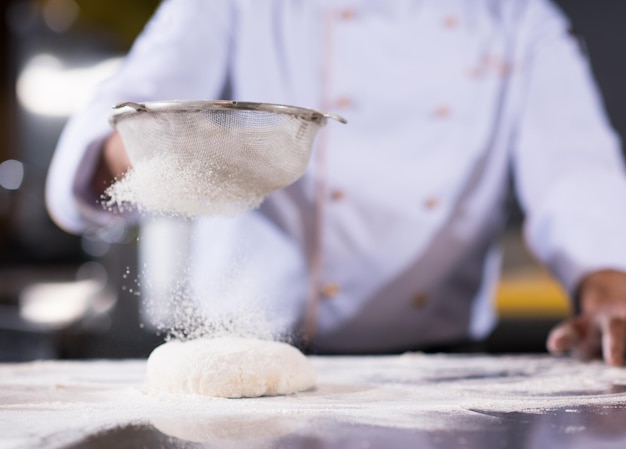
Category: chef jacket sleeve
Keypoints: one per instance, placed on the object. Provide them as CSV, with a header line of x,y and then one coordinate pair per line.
x,y
181,54
568,164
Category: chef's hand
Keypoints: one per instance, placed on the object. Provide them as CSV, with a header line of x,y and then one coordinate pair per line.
x,y
113,163
600,329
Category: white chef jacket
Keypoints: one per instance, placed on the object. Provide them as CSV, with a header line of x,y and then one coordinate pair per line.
x,y
387,240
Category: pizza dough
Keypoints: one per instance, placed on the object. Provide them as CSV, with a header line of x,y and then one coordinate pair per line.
x,y
229,367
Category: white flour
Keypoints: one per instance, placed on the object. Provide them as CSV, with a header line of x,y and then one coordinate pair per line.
x,y
70,400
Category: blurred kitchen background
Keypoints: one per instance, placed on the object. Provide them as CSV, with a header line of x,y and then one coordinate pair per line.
x,y
64,296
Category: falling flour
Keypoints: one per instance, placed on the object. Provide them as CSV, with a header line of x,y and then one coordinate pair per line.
x,y
179,314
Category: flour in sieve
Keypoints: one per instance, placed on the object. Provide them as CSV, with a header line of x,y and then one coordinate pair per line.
x,y
164,185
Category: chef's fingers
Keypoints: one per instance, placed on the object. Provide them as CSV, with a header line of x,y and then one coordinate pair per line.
x,y
590,347
578,336
613,340
567,335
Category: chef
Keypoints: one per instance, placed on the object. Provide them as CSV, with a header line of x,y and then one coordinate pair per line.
x,y
387,243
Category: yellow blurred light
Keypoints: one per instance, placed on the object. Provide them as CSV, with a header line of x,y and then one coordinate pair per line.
x,y
60,15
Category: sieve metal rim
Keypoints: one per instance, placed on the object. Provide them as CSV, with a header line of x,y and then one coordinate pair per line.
x,y
129,108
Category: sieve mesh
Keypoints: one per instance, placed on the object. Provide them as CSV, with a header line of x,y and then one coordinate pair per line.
x,y
211,157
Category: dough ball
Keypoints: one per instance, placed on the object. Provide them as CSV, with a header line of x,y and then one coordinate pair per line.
x,y
229,367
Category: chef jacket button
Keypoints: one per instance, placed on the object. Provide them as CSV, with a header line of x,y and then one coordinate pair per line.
x,y
492,61
347,14
330,290
442,111
420,300
451,22
505,69
337,195
343,102
475,73
431,203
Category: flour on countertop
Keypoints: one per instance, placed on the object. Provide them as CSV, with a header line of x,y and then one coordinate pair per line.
x,y
413,391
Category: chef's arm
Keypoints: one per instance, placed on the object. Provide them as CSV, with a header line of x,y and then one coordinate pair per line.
x,y
571,182
112,164
600,327
166,62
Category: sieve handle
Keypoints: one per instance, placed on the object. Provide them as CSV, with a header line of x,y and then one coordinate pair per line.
x,y
339,118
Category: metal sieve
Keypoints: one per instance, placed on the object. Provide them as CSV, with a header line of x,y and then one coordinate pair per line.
x,y
203,153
